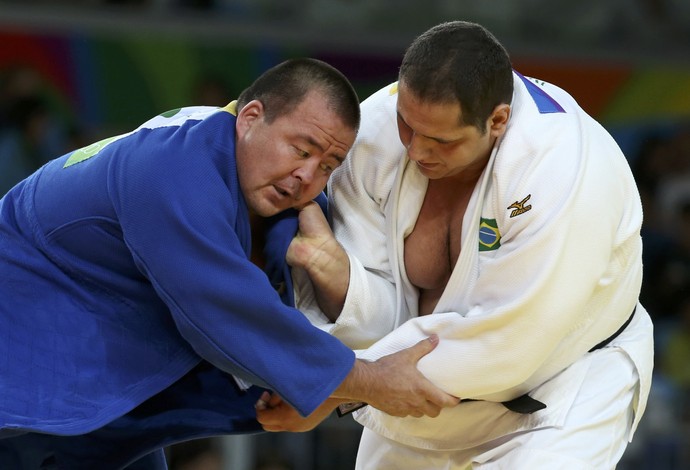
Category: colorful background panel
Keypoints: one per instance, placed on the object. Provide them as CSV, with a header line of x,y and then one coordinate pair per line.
x,y
112,83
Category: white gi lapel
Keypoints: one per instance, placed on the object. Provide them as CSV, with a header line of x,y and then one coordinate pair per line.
x,y
466,269
407,196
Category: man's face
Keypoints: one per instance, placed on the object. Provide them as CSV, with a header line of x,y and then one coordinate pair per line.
x,y
438,144
287,162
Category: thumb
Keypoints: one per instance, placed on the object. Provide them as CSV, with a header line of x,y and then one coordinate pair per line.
x,y
301,207
424,347
308,206
310,211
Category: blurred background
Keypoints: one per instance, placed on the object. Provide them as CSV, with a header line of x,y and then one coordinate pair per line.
x,y
73,72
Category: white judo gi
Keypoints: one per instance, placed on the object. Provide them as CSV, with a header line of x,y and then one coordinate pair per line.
x,y
550,266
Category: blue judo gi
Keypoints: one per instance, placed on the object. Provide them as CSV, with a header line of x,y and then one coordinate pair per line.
x,y
127,297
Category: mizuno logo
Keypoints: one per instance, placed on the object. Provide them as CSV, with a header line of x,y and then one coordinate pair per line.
x,y
519,207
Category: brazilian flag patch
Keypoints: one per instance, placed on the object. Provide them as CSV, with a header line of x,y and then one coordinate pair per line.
x,y
489,236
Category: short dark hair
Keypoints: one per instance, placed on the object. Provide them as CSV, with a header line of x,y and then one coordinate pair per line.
x,y
462,62
281,88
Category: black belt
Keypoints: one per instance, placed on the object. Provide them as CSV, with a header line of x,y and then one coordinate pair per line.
x,y
525,404
613,336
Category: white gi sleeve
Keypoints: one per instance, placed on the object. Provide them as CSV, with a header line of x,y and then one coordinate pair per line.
x,y
358,195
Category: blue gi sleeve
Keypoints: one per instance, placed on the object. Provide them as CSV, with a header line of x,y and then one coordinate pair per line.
x,y
184,220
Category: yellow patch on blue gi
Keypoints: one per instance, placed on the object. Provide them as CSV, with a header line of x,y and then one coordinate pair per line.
x,y
231,108
489,236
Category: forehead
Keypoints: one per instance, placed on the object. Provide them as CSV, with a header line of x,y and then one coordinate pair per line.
x,y
314,107
427,117
315,117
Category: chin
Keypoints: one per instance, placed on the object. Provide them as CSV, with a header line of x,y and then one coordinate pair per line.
x,y
265,209
264,212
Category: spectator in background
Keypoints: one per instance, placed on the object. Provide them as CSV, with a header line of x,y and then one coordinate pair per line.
x,y
30,132
673,283
662,172
211,90
31,138
675,357
651,168
674,187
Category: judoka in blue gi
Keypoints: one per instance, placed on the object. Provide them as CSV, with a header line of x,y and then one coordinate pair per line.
x,y
132,298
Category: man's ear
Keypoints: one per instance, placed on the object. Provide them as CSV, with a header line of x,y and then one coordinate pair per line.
x,y
251,113
499,120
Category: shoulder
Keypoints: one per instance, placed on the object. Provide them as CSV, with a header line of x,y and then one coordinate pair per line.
x,y
377,151
378,134
181,116
553,154
383,100
379,114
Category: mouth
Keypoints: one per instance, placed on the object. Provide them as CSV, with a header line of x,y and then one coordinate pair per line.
x,y
427,165
283,192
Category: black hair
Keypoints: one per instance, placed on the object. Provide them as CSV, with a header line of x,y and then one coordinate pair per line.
x,y
281,88
461,62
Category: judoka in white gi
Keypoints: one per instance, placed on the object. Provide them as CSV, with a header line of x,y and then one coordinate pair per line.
x,y
490,209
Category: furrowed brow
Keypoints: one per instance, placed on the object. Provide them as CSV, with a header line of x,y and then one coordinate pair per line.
x,y
310,140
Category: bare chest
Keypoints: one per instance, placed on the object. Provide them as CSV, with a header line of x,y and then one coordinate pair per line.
x,y
433,246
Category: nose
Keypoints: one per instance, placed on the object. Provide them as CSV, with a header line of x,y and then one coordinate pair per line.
x,y
416,147
305,173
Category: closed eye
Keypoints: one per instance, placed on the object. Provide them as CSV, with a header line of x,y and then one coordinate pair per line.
x,y
446,141
326,168
302,153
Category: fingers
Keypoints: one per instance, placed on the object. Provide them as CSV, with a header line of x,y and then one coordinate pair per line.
x,y
313,233
402,390
394,384
444,400
262,402
268,400
440,399
436,397
272,419
282,417
274,413
424,347
275,400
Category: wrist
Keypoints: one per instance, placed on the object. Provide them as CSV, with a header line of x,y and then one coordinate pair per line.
x,y
357,385
327,261
329,272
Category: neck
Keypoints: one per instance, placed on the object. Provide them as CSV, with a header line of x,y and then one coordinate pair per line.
x,y
258,228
